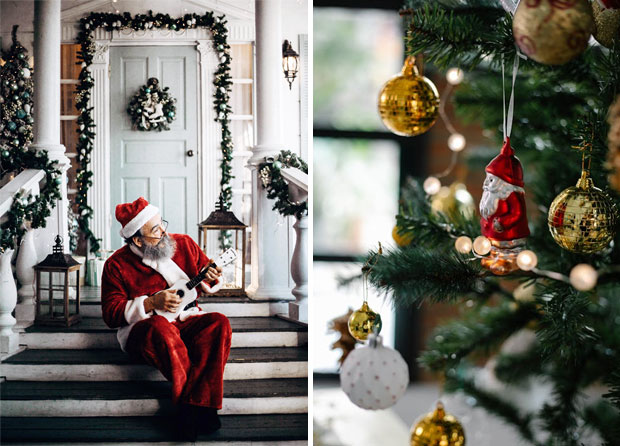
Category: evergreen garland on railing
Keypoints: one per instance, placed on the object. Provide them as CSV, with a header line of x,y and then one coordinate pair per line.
x,y
15,156
222,82
277,188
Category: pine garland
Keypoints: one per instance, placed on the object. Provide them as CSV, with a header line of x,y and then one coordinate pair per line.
x,y
277,188
221,97
15,155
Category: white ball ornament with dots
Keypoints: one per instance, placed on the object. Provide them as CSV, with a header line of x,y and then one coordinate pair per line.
x,y
374,377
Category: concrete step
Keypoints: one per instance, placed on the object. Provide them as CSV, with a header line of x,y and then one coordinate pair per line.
x,y
231,306
114,365
144,398
93,333
237,430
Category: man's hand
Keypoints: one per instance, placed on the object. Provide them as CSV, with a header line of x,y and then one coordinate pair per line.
x,y
212,274
166,300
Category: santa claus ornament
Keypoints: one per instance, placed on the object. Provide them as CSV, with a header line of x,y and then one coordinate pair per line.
x,y
503,219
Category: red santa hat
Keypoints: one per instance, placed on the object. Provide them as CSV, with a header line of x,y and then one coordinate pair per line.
x,y
132,216
507,166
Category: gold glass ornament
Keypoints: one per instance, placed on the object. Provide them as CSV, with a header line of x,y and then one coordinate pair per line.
x,y
553,32
409,102
363,322
403,239
452,200
438,429
606,25
582,218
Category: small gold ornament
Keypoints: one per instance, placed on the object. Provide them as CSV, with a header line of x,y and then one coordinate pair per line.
x,y
438,429
607,25
582,218
401,240
363,322
453,200
553,32
409,102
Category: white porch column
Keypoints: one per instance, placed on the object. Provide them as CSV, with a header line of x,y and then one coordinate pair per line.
x,y
47,112
270,258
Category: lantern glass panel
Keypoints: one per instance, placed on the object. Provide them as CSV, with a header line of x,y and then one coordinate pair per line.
x,y
214,241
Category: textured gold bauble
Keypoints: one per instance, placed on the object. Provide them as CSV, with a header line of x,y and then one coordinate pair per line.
x,y
403,239
409,102
606,25
363,322
453,200
553,32
582,218
613,137
438,429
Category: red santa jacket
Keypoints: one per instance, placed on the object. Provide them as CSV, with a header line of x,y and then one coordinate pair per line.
x,y
125,277
511,215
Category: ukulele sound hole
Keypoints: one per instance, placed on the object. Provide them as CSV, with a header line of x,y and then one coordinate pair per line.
x,y
180,293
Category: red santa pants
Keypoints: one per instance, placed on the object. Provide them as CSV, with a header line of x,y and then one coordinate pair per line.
x,y
192,354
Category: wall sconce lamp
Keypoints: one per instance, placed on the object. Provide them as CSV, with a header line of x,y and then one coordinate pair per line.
x,y
290,62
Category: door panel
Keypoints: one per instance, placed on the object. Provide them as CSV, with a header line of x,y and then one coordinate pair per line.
x,y
155,164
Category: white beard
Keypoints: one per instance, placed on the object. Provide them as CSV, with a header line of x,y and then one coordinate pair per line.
x,y
495,191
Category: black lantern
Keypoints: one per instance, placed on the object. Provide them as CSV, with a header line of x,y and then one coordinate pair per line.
x,y
58,266
222,230
290,62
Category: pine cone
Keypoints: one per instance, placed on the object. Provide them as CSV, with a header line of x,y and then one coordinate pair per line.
x,y
613,156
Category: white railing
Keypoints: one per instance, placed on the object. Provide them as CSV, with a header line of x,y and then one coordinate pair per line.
x,y
26,183
298,192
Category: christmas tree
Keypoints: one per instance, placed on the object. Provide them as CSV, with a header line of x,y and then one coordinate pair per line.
x,y
566,304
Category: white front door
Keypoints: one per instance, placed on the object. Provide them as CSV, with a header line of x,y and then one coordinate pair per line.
x,y
159,166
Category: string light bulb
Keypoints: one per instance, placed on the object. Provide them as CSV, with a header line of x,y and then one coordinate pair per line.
x,y
527,260
463,244
455,76
432,185
456,142
583,277
482,245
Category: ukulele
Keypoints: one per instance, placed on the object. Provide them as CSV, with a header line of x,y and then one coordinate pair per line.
x,y
185,289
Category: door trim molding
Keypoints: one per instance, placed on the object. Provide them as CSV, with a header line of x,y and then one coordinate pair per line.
x,y
208,132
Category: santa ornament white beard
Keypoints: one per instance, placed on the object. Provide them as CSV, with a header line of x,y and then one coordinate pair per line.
x,y
495,189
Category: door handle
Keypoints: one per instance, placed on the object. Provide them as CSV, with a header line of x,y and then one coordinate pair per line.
x,y
190,153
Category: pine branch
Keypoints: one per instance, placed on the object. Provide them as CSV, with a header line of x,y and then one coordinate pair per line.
x,y
497,406
478,331
412,275
517,368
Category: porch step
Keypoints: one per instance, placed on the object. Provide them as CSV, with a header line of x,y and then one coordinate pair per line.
x,y
114,365
237,430
144,398
93,333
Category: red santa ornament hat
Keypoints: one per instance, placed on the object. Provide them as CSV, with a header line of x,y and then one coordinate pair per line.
x,y
132,216
507,166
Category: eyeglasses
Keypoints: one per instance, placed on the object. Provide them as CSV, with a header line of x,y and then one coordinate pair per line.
x,y
161,230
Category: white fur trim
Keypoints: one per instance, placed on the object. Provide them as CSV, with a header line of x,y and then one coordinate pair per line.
x,y
213,289
194,311
134,310
138,221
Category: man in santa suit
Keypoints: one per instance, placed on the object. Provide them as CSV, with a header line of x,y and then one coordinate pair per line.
x,y
502,208
191,351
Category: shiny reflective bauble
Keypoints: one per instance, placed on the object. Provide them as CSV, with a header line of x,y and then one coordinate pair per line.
x,y
438,429
403,239
453,200
363,322
409,102
606,25
582,218
553,32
